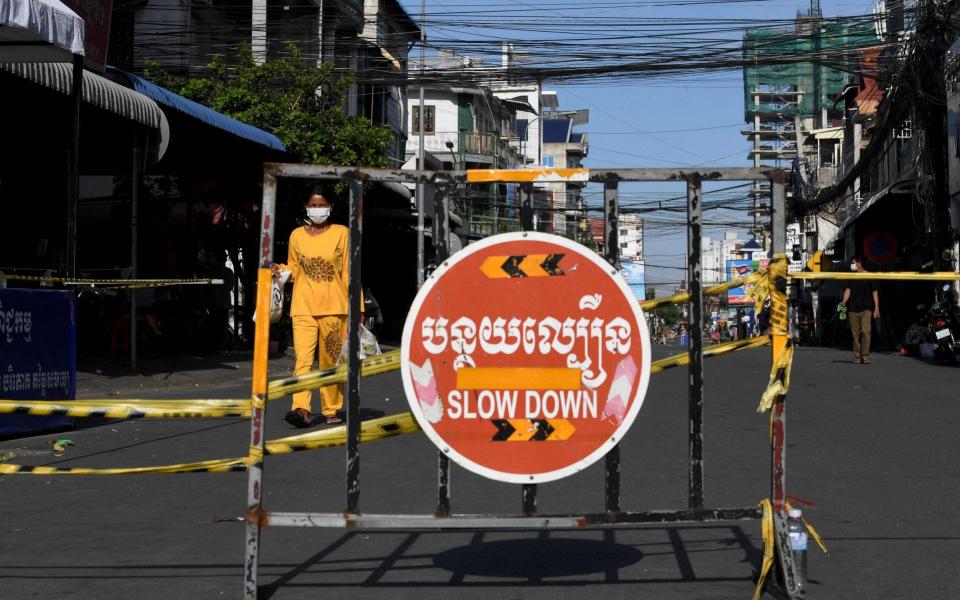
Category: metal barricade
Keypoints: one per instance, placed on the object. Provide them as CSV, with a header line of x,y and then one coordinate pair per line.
x,y
442,518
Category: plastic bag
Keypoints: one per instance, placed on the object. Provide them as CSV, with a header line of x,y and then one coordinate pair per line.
x,y
276,296
368,346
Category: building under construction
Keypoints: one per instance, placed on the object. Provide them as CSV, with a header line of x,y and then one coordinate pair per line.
x,y
793,87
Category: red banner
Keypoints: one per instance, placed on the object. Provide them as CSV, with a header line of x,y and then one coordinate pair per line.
x,y
96,14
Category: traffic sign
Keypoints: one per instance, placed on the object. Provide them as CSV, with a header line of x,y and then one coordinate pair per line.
x,y
525,357
880,247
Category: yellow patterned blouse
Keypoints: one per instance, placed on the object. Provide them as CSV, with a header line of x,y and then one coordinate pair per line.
x,y
320,267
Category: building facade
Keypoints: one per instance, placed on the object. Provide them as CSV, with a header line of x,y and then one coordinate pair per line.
x,y
369,39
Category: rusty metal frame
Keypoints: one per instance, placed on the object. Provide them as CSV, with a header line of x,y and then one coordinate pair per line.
x,y
442,518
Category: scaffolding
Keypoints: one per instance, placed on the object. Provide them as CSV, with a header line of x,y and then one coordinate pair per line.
x,y
787,95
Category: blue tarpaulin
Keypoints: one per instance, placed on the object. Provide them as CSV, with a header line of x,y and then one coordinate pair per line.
x,y
165,97
38,354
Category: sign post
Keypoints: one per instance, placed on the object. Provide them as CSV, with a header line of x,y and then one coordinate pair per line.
x,y
525,358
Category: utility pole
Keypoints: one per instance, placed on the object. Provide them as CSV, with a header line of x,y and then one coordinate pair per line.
x,y
421,161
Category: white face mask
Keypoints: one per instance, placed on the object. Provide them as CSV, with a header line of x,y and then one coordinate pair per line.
x,y
318,214
853,266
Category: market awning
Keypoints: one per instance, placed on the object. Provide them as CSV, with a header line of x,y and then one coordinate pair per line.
x,y
519,104
98,91
200,112
39,31
830,133
900,187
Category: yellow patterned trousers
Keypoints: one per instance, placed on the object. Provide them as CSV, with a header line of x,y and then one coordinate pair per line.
x,y
320,339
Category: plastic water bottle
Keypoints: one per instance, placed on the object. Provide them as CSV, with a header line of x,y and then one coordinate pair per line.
x,y
798,545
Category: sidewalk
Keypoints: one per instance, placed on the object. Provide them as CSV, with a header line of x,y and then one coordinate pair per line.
x,y
176,375
157,376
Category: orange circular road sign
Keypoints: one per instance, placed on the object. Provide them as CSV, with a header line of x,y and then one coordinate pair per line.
x,y
525,357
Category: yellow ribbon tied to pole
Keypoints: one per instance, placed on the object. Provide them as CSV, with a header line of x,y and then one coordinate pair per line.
x,y
779,383
767,531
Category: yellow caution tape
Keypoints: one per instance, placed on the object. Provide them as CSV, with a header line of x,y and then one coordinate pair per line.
x,y
676,360
779,383
254,455
372,365
120,283
177,409
128,409
766,283
767,530
885,276
813,532
225,465
713,290
370,430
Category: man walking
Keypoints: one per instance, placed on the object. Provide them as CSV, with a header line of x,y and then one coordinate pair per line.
x,y
862,304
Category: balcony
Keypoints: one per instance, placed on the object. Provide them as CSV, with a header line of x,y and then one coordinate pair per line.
x,y
470,147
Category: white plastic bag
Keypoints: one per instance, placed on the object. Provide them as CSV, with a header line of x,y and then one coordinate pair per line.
x,y
276,296
368,343
368,346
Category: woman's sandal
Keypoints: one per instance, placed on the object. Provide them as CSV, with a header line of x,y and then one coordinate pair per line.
x,y
332,419
298,417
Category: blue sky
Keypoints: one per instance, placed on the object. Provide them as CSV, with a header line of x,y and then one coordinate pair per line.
x,y
623,114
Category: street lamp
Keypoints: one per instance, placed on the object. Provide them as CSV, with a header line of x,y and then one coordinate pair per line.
x,y
449,146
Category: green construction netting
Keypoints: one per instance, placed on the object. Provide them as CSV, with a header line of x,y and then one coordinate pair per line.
x,y
838,48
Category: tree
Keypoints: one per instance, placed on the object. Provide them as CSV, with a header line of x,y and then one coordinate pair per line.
x,y
299,102
670,314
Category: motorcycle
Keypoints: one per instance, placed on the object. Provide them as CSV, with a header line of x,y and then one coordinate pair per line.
x,y
943,320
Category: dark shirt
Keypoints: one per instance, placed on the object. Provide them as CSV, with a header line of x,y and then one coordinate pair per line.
x,y
861,295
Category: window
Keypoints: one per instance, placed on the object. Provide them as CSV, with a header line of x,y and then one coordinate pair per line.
x,y
549,162
429,122
623,232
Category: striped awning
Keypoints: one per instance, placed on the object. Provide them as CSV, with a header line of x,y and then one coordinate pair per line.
x,y
97,91
39,31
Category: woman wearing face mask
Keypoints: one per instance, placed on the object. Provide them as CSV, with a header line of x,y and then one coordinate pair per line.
x,y
318,259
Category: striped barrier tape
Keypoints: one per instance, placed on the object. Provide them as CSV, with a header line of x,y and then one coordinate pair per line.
x,y
369,366
128,409
766,527
712,290
777,268
779,383
769,540
194,409
765,285
117,283
223,465
813,532
878,276
371,430
174,409
658,366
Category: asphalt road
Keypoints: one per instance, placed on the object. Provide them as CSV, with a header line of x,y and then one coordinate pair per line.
x,y
873,446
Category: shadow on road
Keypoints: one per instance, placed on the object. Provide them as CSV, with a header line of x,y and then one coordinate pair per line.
x,y
545,560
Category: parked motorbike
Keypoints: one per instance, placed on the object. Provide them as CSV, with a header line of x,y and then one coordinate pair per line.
x,y
943,320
